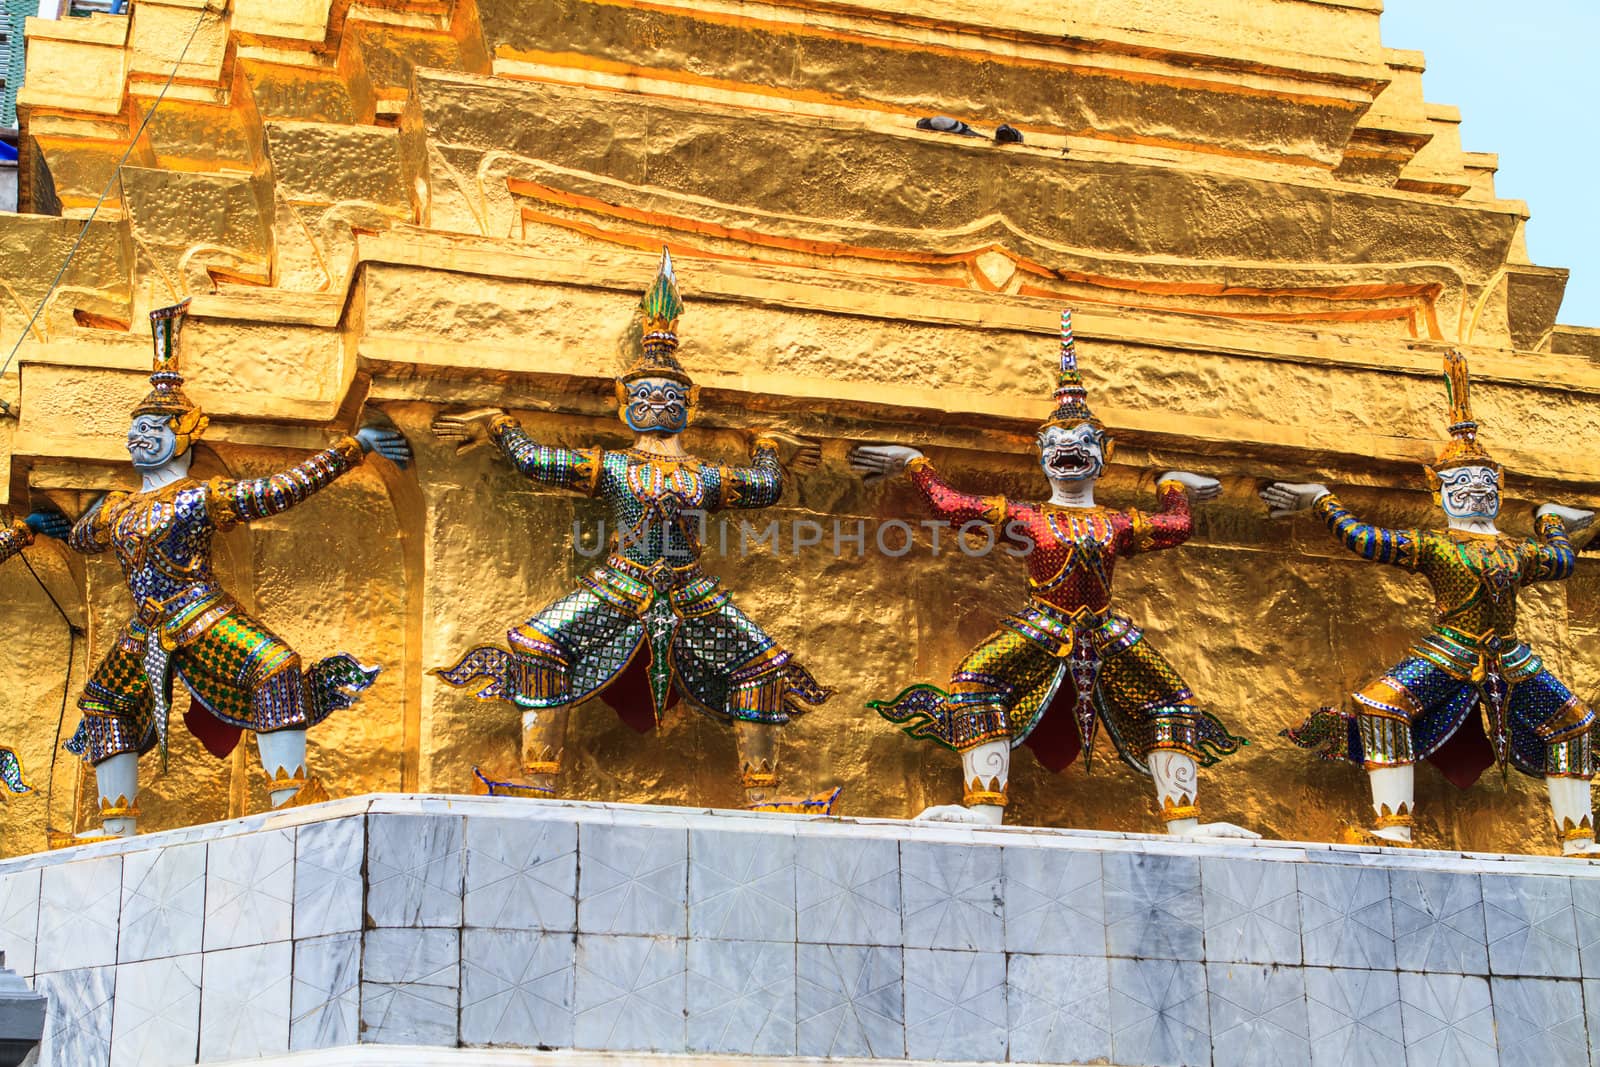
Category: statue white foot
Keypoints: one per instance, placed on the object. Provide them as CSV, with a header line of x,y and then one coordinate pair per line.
x,y
1221,830
1582,846
978,815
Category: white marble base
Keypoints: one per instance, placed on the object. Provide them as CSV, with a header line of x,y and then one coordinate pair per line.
x,y
457,930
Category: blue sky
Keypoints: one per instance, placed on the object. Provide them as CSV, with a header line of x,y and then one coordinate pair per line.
x,y
1526,77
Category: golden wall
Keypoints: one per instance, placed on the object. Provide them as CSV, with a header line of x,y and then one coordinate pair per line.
x,y
403,206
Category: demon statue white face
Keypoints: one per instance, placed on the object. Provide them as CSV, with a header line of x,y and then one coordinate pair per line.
x,y
152,442
1075,455
656,405
1470,492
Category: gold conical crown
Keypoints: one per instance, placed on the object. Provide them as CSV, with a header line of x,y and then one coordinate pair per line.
x,y
1463,449
166,396
1071,397
660,306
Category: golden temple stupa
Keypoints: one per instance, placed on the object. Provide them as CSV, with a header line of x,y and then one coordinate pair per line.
x,y
1269,237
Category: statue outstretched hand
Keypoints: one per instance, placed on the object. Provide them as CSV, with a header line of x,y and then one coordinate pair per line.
x,y
798,454
50,524
387,442
464,429
1575,518
1200,486
1286,498
876,462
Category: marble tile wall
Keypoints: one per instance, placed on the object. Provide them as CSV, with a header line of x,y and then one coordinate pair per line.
x,y
525,924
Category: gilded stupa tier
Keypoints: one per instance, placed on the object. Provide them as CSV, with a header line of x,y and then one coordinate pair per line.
x,y
1268,234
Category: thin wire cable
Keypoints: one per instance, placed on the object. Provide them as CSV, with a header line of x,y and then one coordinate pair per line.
x,y
73,632
77,243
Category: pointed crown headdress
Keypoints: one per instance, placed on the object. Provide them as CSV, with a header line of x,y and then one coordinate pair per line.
x,y
661,305
166,396
1071,398
1463,449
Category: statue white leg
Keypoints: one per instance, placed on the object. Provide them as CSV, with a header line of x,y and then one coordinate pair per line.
x,y
117,782
1393,798
283,758
1177,780
985,775
1574,817
758,760
544,737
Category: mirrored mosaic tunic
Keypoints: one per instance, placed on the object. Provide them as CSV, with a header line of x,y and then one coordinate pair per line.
x,y
1065,663
648,625
1469,693
240,675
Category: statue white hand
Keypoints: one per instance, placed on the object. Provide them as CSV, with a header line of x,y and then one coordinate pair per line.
x,y
874,462
1286,498
1575,518
1200,486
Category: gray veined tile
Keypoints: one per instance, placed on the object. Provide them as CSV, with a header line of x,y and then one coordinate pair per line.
x,y
1586,912
955,1005
19,919
77,1024
1438,921
325,1000
244,1002
327,877
630,993
249,889
741,885
1059,1008
1448,1020
849,1001
157,1014
163,902
1591,1015
1530,925
1539,1022
78,906
517,988
848,894
1252,911
951,895
633,880
1054,901
1346,919
522,874
1354,1017
410,984
414,870
1258,1015
1153,906
742,997
1159,1013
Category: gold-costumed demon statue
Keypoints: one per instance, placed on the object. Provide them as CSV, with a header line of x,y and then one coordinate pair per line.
x,y
13,539
240,676
1427,706
1065,662
647,626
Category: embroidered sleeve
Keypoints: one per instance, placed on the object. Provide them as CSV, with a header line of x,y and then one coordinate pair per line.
x,y
1399,548
759,485
565,468
232,502
952,504
92,532
1551,558
1167,527
14,539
